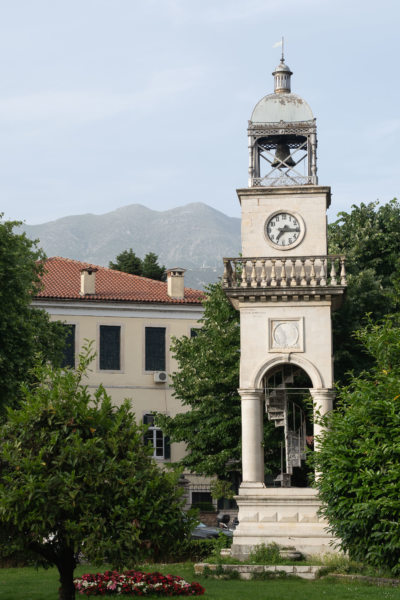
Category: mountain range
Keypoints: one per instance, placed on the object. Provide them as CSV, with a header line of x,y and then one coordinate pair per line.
x,y
195,237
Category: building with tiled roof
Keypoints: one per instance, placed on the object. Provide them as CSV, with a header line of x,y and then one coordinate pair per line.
x,y
131,321
62,281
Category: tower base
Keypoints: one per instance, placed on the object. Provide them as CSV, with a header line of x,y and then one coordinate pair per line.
x,y
286,516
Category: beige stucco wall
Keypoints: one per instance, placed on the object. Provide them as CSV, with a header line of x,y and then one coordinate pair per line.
x,y
132,381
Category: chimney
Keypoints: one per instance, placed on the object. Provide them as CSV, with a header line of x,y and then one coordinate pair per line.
x,y
88,281
176,283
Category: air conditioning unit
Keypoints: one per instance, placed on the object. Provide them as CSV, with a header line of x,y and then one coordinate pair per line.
x,y
160,377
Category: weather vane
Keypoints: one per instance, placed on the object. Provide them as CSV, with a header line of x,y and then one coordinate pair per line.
x,y
281,44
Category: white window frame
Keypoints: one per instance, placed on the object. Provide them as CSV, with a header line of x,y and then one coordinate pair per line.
x,y
154,430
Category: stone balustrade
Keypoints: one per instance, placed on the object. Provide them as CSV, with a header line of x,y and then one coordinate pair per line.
x,y
285,272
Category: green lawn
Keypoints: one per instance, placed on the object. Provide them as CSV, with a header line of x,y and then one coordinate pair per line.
x,y
29,584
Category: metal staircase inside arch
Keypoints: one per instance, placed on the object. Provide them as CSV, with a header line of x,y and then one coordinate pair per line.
x,y
285,412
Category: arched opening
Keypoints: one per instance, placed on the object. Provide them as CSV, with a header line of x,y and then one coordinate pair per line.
x,y
289,409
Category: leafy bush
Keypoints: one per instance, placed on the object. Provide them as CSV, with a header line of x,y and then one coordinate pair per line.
x,y
339,563
222,541
199,550
221,573
359,455
265,554
193,550
265,575
65,456
11,559
135,583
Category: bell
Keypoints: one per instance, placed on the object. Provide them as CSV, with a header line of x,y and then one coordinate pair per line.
x,y
283,154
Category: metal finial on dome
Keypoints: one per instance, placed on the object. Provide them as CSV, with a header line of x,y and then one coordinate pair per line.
x,y
282,75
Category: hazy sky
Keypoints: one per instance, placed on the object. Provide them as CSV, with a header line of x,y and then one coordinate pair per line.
x,y
105,103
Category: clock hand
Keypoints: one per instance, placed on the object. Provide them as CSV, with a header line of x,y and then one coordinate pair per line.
x,y
286,229
282,230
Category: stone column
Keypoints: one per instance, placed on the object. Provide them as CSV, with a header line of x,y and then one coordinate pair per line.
x,y
323,403
252,437
251,161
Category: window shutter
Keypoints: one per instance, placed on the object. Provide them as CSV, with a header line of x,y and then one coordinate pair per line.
x,y
167,447
155,348
110,347
148,419
68,359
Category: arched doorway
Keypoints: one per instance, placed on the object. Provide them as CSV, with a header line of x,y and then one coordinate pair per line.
x,y
289,407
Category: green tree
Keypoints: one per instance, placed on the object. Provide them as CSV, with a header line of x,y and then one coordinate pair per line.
x,y
128,262
24,331
151,268
359,456
206,382
369,236
77,479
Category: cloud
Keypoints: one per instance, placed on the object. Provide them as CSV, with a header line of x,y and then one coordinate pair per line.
x,y
90,105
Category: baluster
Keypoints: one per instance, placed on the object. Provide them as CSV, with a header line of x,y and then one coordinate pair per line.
x,y
293,281
225,278
322,273
244,274
283,273
303,280
273,273
343,280
263,274
313,280
253,276
234,277
333,272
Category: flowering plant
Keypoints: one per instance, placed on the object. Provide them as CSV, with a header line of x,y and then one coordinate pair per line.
x,y
135,583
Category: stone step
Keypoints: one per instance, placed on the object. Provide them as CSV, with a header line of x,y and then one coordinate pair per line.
x,y
275,411
246,571
276,415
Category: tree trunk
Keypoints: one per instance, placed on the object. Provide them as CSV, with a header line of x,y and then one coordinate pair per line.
x,y
66,570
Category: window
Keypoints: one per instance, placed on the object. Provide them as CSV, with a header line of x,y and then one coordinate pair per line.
x,y
68,359
202,500
155,349
155,437
194,331
110,347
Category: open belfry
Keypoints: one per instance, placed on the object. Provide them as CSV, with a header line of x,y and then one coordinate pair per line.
x,y
285,286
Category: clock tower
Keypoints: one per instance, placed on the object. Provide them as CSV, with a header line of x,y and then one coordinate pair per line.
x,y
285,286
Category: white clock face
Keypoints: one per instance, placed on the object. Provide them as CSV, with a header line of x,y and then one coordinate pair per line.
x,y
286,335
284,229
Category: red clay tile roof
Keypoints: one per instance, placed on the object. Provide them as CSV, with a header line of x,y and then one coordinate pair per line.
x,y
62,281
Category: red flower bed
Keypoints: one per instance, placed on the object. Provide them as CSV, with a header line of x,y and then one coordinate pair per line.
x,y
135,583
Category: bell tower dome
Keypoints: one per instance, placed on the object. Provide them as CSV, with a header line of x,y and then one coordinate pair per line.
x,y
282,135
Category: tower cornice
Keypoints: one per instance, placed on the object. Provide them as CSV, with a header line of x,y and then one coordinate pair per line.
x,y
305,190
